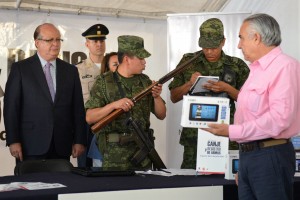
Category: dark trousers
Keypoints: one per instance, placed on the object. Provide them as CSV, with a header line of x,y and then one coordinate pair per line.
x,y
267,173
51,154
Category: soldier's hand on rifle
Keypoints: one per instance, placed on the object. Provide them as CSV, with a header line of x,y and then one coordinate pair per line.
x,y
125,104
156,90
159,104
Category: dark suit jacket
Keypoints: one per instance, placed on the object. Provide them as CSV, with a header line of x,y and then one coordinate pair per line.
x,y
30,116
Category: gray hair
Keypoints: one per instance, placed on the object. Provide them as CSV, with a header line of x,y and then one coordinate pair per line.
x,y
267,27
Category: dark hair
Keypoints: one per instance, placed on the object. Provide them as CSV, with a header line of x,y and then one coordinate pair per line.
x,y
105,62
121,56
36,33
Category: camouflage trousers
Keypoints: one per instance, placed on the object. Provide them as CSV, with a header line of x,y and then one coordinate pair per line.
x,y
189,157
116,155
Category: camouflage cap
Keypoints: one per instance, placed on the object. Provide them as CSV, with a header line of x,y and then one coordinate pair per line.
x,y
211,33
133,45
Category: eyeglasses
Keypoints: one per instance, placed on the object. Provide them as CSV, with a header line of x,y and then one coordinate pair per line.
x,y
51,41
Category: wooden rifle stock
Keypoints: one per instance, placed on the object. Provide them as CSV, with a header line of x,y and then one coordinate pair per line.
x,y
116,113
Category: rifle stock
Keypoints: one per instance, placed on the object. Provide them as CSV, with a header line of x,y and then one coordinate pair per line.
x,y
116,113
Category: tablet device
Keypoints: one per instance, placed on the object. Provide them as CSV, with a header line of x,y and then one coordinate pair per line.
x,y
204,112
235,166
297,171
198,85
101,171
298,165
296,142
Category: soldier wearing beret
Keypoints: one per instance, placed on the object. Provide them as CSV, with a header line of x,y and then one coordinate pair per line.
x,y
212,61
114,90
88,70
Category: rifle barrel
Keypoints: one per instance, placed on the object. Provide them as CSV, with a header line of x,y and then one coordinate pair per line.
x,y
113,115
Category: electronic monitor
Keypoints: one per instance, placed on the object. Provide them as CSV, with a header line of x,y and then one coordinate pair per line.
x,y
235,165
198,111
296,142
204,112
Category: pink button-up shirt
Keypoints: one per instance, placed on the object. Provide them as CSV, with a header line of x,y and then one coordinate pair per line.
x,y
268,104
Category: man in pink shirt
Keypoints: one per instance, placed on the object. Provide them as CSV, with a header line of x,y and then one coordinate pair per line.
x,y
267,114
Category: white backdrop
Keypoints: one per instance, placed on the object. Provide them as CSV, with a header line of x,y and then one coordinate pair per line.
x,y
16,32
183,36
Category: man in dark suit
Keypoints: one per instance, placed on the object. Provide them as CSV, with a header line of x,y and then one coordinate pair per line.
x,y
44,113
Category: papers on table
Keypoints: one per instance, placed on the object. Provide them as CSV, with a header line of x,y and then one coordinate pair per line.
x,y
29,186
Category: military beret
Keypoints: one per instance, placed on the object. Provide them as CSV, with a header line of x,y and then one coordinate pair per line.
x,y
133,45
211,33
96,32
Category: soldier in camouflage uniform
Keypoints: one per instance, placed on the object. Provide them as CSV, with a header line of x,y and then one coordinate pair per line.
x,y
212,61
106,96
88,70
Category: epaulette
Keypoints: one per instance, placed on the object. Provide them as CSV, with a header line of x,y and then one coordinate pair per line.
x,y
189,55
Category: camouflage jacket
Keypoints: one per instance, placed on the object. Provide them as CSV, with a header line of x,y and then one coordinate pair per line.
x,y
231,70
105,91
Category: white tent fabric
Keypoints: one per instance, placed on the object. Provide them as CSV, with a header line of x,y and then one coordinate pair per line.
x,y
129,8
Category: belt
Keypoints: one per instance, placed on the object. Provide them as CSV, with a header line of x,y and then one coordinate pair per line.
x,y
116,137
259,144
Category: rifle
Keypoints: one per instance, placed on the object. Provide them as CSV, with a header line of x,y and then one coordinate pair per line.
x,y
116,113
146,146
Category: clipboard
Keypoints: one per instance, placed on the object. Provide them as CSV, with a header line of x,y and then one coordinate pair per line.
x,y
198,85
